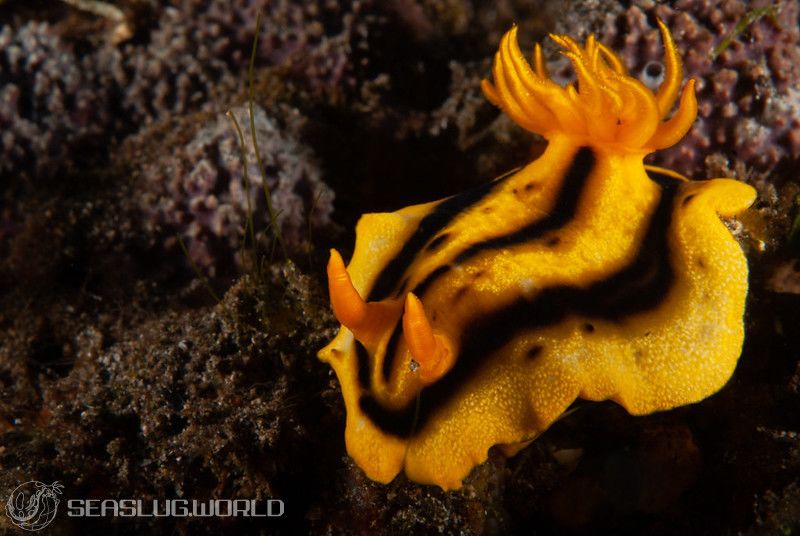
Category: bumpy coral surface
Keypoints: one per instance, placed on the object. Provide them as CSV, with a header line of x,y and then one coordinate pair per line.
x,y
49,101
60,91
200,191
749,101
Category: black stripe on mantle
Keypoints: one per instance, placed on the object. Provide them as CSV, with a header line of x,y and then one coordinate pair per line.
x,y
640,286
562,213
439,218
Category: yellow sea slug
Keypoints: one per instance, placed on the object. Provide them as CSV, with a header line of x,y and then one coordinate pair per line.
x,y
478,319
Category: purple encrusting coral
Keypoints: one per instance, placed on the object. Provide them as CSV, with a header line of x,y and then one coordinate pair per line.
x,y
49,101
69,101
748,97
200,49
65,98
199,191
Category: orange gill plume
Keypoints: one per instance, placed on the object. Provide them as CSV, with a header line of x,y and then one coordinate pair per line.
x,y
608,108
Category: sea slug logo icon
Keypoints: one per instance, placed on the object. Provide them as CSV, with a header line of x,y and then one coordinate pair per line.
x,y
33,505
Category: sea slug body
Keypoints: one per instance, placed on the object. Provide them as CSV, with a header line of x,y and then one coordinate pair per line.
x,y
476,320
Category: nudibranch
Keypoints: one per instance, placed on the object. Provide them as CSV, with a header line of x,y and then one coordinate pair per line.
x,y
476,320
